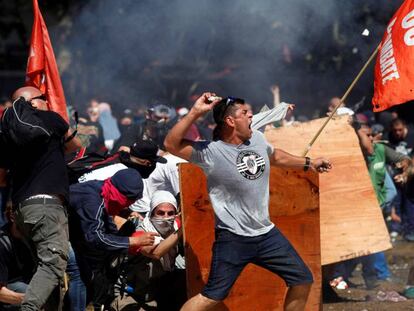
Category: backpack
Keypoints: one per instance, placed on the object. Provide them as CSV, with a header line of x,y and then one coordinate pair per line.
x,y
21,126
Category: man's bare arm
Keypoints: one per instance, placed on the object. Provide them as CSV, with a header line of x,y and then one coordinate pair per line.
x,y
175,142
157,251
283,159
276,95
365,141
10,297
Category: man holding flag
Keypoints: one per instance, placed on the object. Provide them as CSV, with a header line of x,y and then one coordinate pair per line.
x,y
38,171
40,188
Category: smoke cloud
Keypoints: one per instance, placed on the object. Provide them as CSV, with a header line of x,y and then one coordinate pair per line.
x,y
134,53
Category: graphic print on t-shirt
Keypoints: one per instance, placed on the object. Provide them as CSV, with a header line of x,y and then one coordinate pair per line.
x,y
250,165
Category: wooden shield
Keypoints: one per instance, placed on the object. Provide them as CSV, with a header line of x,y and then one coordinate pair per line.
x,y
352,224
294,208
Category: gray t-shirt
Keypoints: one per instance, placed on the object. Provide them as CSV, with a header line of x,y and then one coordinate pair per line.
x,y
238,183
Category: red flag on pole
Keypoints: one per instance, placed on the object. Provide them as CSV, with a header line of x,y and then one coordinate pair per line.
x,y
394,69
42,71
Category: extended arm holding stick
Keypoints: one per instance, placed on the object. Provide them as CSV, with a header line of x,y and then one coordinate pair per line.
x,y
341,101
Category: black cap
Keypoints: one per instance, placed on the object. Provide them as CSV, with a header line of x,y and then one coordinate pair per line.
x,y
146,149
129,183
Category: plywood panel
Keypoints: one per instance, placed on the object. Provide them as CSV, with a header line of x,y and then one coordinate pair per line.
x,y
294,207
351,220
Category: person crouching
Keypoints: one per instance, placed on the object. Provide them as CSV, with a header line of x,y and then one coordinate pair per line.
x,y
94,235
158,274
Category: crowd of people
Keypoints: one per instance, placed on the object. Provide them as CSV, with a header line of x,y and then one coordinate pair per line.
x,y
66,211
95,210
386,142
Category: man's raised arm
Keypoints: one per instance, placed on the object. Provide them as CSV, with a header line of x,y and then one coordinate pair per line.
x,y
175,142
283,159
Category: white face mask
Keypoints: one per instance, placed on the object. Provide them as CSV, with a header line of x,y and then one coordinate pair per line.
x,y
164,226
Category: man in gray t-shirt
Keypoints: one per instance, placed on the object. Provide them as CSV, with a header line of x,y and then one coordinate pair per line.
x,y
238,183
237,166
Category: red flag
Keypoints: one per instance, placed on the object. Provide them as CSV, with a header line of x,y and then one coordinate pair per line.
x,y
394,70
42,71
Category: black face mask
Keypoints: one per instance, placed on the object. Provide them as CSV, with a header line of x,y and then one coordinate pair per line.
x,y
123,128
143,170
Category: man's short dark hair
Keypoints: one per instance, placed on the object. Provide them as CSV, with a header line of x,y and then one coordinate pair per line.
x,y
397,122
225,108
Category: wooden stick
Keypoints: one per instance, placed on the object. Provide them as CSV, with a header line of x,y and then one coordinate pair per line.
x,y
342,100
65,282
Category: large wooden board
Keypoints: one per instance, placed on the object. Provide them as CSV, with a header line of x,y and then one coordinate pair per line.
x,y
352,224
294,208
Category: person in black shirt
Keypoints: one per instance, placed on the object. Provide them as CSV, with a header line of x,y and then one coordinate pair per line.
x,y
40,190
401,137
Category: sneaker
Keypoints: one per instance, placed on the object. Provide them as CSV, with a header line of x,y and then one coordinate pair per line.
x,y
338,283
409,292
394,234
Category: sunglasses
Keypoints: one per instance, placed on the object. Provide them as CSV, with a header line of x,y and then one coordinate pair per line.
x,y
163,213
229,101
42,97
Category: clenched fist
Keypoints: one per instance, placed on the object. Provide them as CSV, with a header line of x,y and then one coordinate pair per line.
x,y
203,105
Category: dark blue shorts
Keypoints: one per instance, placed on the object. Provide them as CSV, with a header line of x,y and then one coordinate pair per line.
x,y
272,251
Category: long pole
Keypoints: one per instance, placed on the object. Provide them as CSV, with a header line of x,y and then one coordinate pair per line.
x,y
351,86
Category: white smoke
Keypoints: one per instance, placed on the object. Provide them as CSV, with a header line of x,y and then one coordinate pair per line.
x,y
133,53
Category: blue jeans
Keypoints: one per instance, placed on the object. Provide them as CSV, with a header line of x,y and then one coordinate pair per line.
x,y
392,199
76,295
18,287
381,266
391,192
368,269
272,251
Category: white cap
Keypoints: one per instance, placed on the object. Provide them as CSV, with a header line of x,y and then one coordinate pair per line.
x,y
162,196
344,110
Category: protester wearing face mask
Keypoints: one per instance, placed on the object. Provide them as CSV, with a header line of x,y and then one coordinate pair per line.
x,y
141,156
154,275
93,234
158,121
162,218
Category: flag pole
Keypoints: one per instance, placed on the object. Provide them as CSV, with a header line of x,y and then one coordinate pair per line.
x,y
351,86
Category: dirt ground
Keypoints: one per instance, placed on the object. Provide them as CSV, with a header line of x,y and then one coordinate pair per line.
x,y
356,298
400,258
